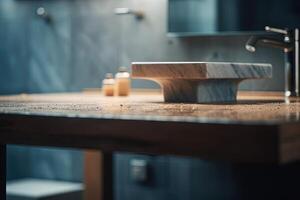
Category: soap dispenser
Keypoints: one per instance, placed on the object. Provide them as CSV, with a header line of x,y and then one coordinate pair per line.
x,y
108,85
122,82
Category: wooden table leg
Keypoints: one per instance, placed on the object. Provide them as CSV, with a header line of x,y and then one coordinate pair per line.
x,y
98,175
2,171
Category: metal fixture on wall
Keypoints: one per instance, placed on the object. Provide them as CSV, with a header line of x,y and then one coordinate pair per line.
x,y
290,45
127,11
43,14
139,170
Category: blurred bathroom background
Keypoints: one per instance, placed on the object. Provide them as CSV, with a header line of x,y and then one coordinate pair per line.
x,y
74,50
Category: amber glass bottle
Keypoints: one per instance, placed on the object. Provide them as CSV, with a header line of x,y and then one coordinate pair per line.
x,y
122,82
108,85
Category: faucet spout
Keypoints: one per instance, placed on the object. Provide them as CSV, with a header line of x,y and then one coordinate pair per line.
x,y
270,41
289,43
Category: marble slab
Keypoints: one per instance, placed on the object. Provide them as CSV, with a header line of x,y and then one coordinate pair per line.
x,y
202,82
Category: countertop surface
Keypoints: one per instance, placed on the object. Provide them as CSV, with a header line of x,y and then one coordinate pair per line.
x,y
258,128
251,107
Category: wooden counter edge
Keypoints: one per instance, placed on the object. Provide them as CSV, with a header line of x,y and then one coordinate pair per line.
x,y
235,143
289,142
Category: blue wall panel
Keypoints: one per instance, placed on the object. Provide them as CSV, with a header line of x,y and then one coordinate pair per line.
x,y
85,41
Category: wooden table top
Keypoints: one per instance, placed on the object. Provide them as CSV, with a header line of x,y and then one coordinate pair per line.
x,y
260,127
258,108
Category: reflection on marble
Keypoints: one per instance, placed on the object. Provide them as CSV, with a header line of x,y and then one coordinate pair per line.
x,y
202,82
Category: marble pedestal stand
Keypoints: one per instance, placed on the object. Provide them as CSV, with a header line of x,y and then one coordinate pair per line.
x,y
200,82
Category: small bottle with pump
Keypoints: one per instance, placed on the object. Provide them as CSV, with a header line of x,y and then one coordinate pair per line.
x,y
108,85
122,82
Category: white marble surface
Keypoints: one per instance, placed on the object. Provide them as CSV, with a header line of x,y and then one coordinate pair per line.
x,y
201,70
202,82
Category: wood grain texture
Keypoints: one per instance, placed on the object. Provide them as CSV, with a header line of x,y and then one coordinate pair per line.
x,y
93,175
98,175
202,82
252,130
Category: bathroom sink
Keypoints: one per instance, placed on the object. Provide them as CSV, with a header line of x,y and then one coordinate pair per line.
x,y
200,82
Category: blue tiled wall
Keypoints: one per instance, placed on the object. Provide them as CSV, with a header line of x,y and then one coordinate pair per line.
x,y
178,178
45,163
86,40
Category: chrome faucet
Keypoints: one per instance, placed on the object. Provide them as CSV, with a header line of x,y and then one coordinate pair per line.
x,y
288,41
